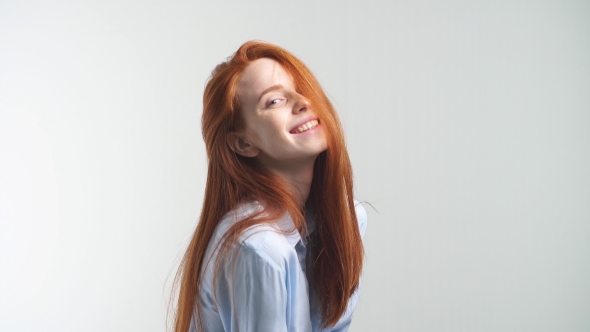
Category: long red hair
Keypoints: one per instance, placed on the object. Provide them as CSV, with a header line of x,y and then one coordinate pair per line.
x,y
232,179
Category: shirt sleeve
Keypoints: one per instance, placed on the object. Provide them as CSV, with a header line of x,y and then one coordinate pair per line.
x,y
252,293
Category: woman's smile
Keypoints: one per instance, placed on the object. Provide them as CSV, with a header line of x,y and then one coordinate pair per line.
x,y
307,125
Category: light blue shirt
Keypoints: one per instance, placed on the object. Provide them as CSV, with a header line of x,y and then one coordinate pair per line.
x,y
262,287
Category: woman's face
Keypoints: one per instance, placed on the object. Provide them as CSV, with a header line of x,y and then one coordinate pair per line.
x,y
281,128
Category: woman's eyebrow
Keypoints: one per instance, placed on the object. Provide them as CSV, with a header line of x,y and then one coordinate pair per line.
x,y
269,89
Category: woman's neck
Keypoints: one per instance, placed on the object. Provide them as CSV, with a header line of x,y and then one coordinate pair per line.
x,y
298,177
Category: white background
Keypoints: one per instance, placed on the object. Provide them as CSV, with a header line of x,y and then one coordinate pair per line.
x,y
468,125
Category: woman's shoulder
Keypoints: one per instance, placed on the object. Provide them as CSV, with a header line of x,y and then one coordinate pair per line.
x,y
361,216
271,240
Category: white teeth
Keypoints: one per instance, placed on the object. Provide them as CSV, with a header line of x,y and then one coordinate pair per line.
x,y
307,126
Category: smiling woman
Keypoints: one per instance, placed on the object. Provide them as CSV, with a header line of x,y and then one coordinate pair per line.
x,y
280,128
278,244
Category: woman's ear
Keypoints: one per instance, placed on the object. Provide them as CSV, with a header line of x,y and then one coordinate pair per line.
x,y
239,144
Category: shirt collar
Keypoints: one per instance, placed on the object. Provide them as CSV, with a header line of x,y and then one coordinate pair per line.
x,y
287,227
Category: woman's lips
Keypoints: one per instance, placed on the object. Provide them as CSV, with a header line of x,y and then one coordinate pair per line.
x,y
305,125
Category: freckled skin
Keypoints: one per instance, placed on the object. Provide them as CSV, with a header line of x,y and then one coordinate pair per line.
x,y
270,116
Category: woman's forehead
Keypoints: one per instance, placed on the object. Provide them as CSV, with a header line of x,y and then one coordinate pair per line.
x,y
260,75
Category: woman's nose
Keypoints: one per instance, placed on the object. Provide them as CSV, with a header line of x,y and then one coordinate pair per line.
x,y
301,105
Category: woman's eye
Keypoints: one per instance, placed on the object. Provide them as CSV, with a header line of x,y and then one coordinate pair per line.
x,y
275,101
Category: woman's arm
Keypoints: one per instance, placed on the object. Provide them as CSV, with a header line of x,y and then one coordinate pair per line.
x,y
251,293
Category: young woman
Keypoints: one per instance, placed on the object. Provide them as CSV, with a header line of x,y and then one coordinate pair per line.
x,y
278,244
